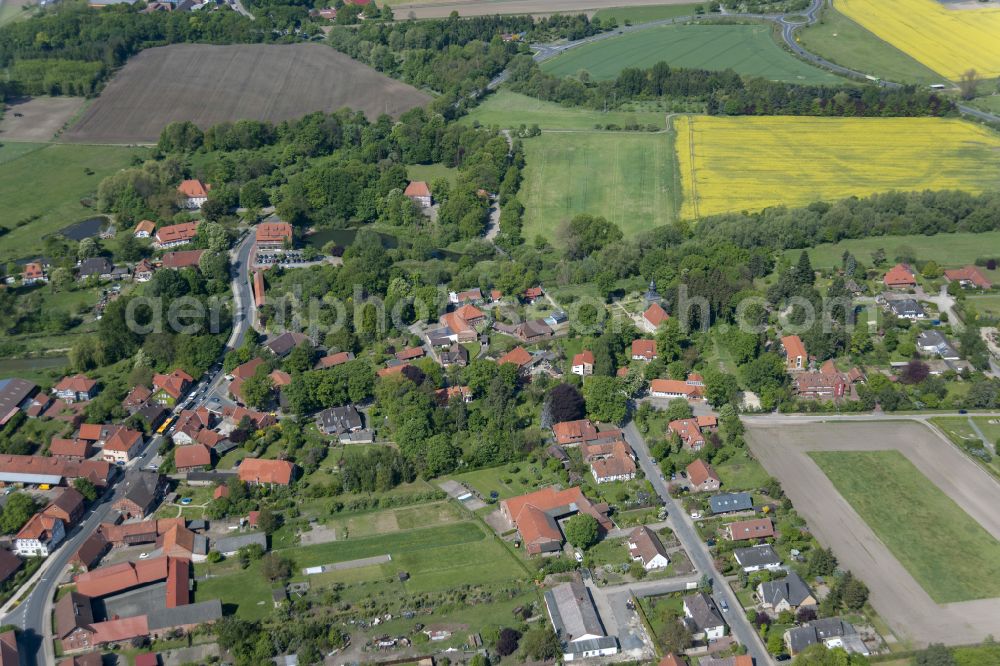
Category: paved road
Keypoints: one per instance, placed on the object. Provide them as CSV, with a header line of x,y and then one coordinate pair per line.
x,y
698,551
32,615
490,7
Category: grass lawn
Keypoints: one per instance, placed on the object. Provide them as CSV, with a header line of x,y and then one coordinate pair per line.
x,y
393,520
991,103
48,181
747,49
741,474
511,110
505,482
979,655
921,526
988,305
948,250
844,42
430,172
644,14
990,427
247,592
627,178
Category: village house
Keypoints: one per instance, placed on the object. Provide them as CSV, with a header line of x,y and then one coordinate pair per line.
x,y
653,317
582,431
419,193
143,493
643,350
122,446
610,460
33,273
334,360
583,363
968,277
67,506
460,325
69,449
136,398
646,548
457,355
528,331
144,229
90,552
899,277
785,594
193,193
827,384
702,617
757,558
39,536
675,388
75,388
796,358
95,267
444,396
175,234
182,259
536,516
338,420
575,620
258,471
17,395
519,356
193,456
689,432
702,477
273,236
934,343
730,503
831,631
473,296
757,528
143,271
410,354
168,389
36,470
282,345
532,294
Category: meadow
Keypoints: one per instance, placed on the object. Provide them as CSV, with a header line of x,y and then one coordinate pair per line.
x,y
751,163
28,172
645,14
947,40
746,49
844,42
948,250
511,110
628,178
921,526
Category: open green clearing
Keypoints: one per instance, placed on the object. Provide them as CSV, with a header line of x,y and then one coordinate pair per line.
x,y
511,110
506,482
49,180
394,520
842,41
990,103
627,178
645,14
747,49
987,305
430,172
745,474
921,526
948,250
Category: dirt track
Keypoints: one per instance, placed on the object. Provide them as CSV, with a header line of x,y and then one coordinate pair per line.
x,y
441,10
897,597
211,84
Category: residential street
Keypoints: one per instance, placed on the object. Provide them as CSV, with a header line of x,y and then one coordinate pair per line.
x,y
696,549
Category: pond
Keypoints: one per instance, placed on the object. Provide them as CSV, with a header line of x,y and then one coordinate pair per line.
x,y
86,229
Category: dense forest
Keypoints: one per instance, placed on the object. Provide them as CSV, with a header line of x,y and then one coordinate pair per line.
x,y
725,93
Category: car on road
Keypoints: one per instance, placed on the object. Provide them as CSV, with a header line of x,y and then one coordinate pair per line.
x,y
579,556
725,606
143,556
152,467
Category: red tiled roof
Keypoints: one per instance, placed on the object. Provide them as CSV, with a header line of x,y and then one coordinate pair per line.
x,y
33,270
968,274
531,293
258,470
898,276
273,232
670,659
280,378
794,348
335,359
220,491
259,295
583,357
175,233
195,455
146,225
519,356
393,370
699,472
707,421
193,188
183,259
644,349
758,528
443,396
76,383
120,577
39,526
416,188
95,470
567,432
655,314
410,353
69,447
114,631
146,659
137,396
247,370
528,512
90,431
172,384
675,386
123,440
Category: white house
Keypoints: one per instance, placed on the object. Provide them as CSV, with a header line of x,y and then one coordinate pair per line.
x,y
193,193
583,364
702,617
645,547
39,536
576,622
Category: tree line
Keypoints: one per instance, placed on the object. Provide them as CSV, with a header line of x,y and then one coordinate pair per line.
x,y
725,92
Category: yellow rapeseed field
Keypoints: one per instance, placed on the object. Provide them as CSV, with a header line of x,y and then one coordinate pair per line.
x,y
750,163
947,40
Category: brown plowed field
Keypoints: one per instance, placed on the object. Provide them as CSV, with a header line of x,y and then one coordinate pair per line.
x,y
211,84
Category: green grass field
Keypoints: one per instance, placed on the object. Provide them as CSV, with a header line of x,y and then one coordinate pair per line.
x,y
844,42
921,526
739,474
511,110
948,250
627,178
645,14
49,180
492,479
430,172
393,520
988,304
747,49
